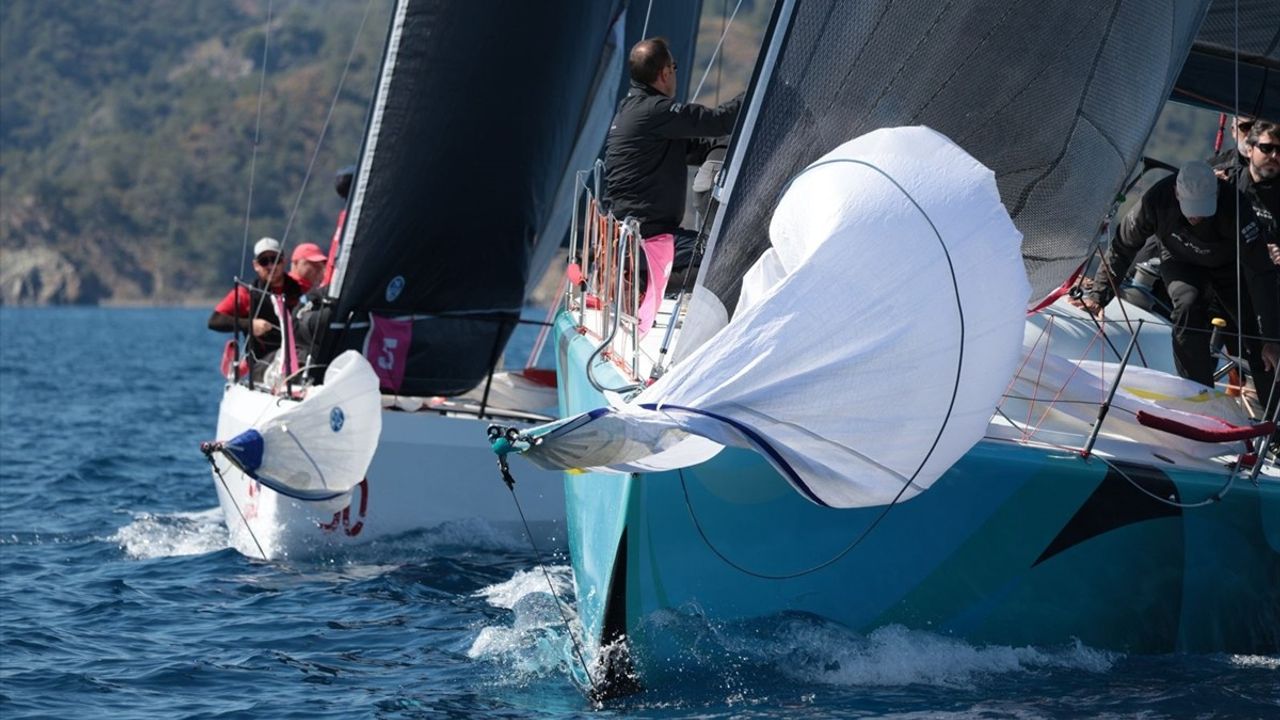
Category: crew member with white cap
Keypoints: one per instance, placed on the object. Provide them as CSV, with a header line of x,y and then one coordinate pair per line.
x,y
248,308
1192,214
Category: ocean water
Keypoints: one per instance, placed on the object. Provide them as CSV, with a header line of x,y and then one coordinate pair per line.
x,y
119,596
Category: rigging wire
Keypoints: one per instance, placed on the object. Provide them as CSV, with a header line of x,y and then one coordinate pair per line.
x,y
230,495
644,32
324,128
257,134
716,53
573,638
333,104
1235,70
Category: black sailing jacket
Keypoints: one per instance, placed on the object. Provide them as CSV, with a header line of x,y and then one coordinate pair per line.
x,y
1210,244
651,141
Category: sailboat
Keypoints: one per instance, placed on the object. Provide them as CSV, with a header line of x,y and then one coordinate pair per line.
x,y
855,419
464,189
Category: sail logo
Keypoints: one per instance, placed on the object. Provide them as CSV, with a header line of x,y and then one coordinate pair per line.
x,y
394,288
336,419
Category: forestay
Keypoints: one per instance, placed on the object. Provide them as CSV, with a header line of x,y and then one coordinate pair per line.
x,y
873,342
320,448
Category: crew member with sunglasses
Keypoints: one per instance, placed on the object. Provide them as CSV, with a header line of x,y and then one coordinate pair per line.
x,y
1193,215
1261,184
251,311
1234,157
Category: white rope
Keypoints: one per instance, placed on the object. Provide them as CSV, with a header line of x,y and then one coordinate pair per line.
x,y
644,33
257,128
715,53
284,239
355,44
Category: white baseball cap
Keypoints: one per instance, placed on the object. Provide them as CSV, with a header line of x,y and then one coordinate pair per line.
x,y
1197,189
266,244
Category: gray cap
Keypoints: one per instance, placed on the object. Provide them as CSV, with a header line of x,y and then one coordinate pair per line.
x,y
1197,189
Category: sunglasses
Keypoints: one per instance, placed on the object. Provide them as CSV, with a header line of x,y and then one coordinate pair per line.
x,y
1268,148
267,259
1244,126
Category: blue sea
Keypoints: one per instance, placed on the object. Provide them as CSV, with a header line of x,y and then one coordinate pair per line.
x,y
119,596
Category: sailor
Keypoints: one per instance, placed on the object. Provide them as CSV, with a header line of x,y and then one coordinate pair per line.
x,y
307,265
250,310
341,185
1261,183
651,143
1193,216
1234,157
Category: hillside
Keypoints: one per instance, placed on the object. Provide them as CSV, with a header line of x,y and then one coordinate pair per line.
x,y
127,155
127,138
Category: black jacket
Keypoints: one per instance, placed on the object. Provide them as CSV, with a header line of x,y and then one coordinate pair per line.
x,y
1210,244
651,142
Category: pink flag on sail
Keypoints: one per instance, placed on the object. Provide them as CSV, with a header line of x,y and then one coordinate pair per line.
x,y
387,349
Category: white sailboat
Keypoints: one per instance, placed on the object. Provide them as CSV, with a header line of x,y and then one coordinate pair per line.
x,y
463,191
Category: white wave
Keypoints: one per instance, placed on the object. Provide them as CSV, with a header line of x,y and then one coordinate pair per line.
x,y
1263,662
507,594
172,534
895,655
536,642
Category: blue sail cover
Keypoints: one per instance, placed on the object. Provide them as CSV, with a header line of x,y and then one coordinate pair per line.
x,y
475,118
1057,98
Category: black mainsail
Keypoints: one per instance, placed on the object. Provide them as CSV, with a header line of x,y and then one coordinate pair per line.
x,y
1061,129
478,110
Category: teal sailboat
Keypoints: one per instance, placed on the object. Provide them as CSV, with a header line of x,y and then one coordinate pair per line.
x,y
860,423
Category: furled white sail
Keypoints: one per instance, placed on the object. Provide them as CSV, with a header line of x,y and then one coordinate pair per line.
x,y
320,448
868,352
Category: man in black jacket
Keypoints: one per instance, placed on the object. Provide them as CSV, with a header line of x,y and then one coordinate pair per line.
x,y
652,141
1235,156
1193,216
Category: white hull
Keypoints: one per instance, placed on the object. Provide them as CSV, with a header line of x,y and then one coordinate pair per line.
x,y
430,469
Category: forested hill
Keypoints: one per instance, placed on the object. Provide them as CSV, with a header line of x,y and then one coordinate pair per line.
x,y
127,134
127,137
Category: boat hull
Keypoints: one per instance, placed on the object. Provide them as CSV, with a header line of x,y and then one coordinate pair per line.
x,y
429,470
1017,544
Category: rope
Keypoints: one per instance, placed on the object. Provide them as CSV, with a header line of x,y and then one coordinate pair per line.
x,y
787,576
1239,256
1215,497
218,471
573,638
257,132
938,437
342,79
715,53
284,239
644,32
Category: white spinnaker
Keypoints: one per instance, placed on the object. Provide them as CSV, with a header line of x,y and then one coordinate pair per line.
x,y
323,445
869,354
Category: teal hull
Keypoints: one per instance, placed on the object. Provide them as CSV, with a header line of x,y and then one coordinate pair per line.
x,y
1015,545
